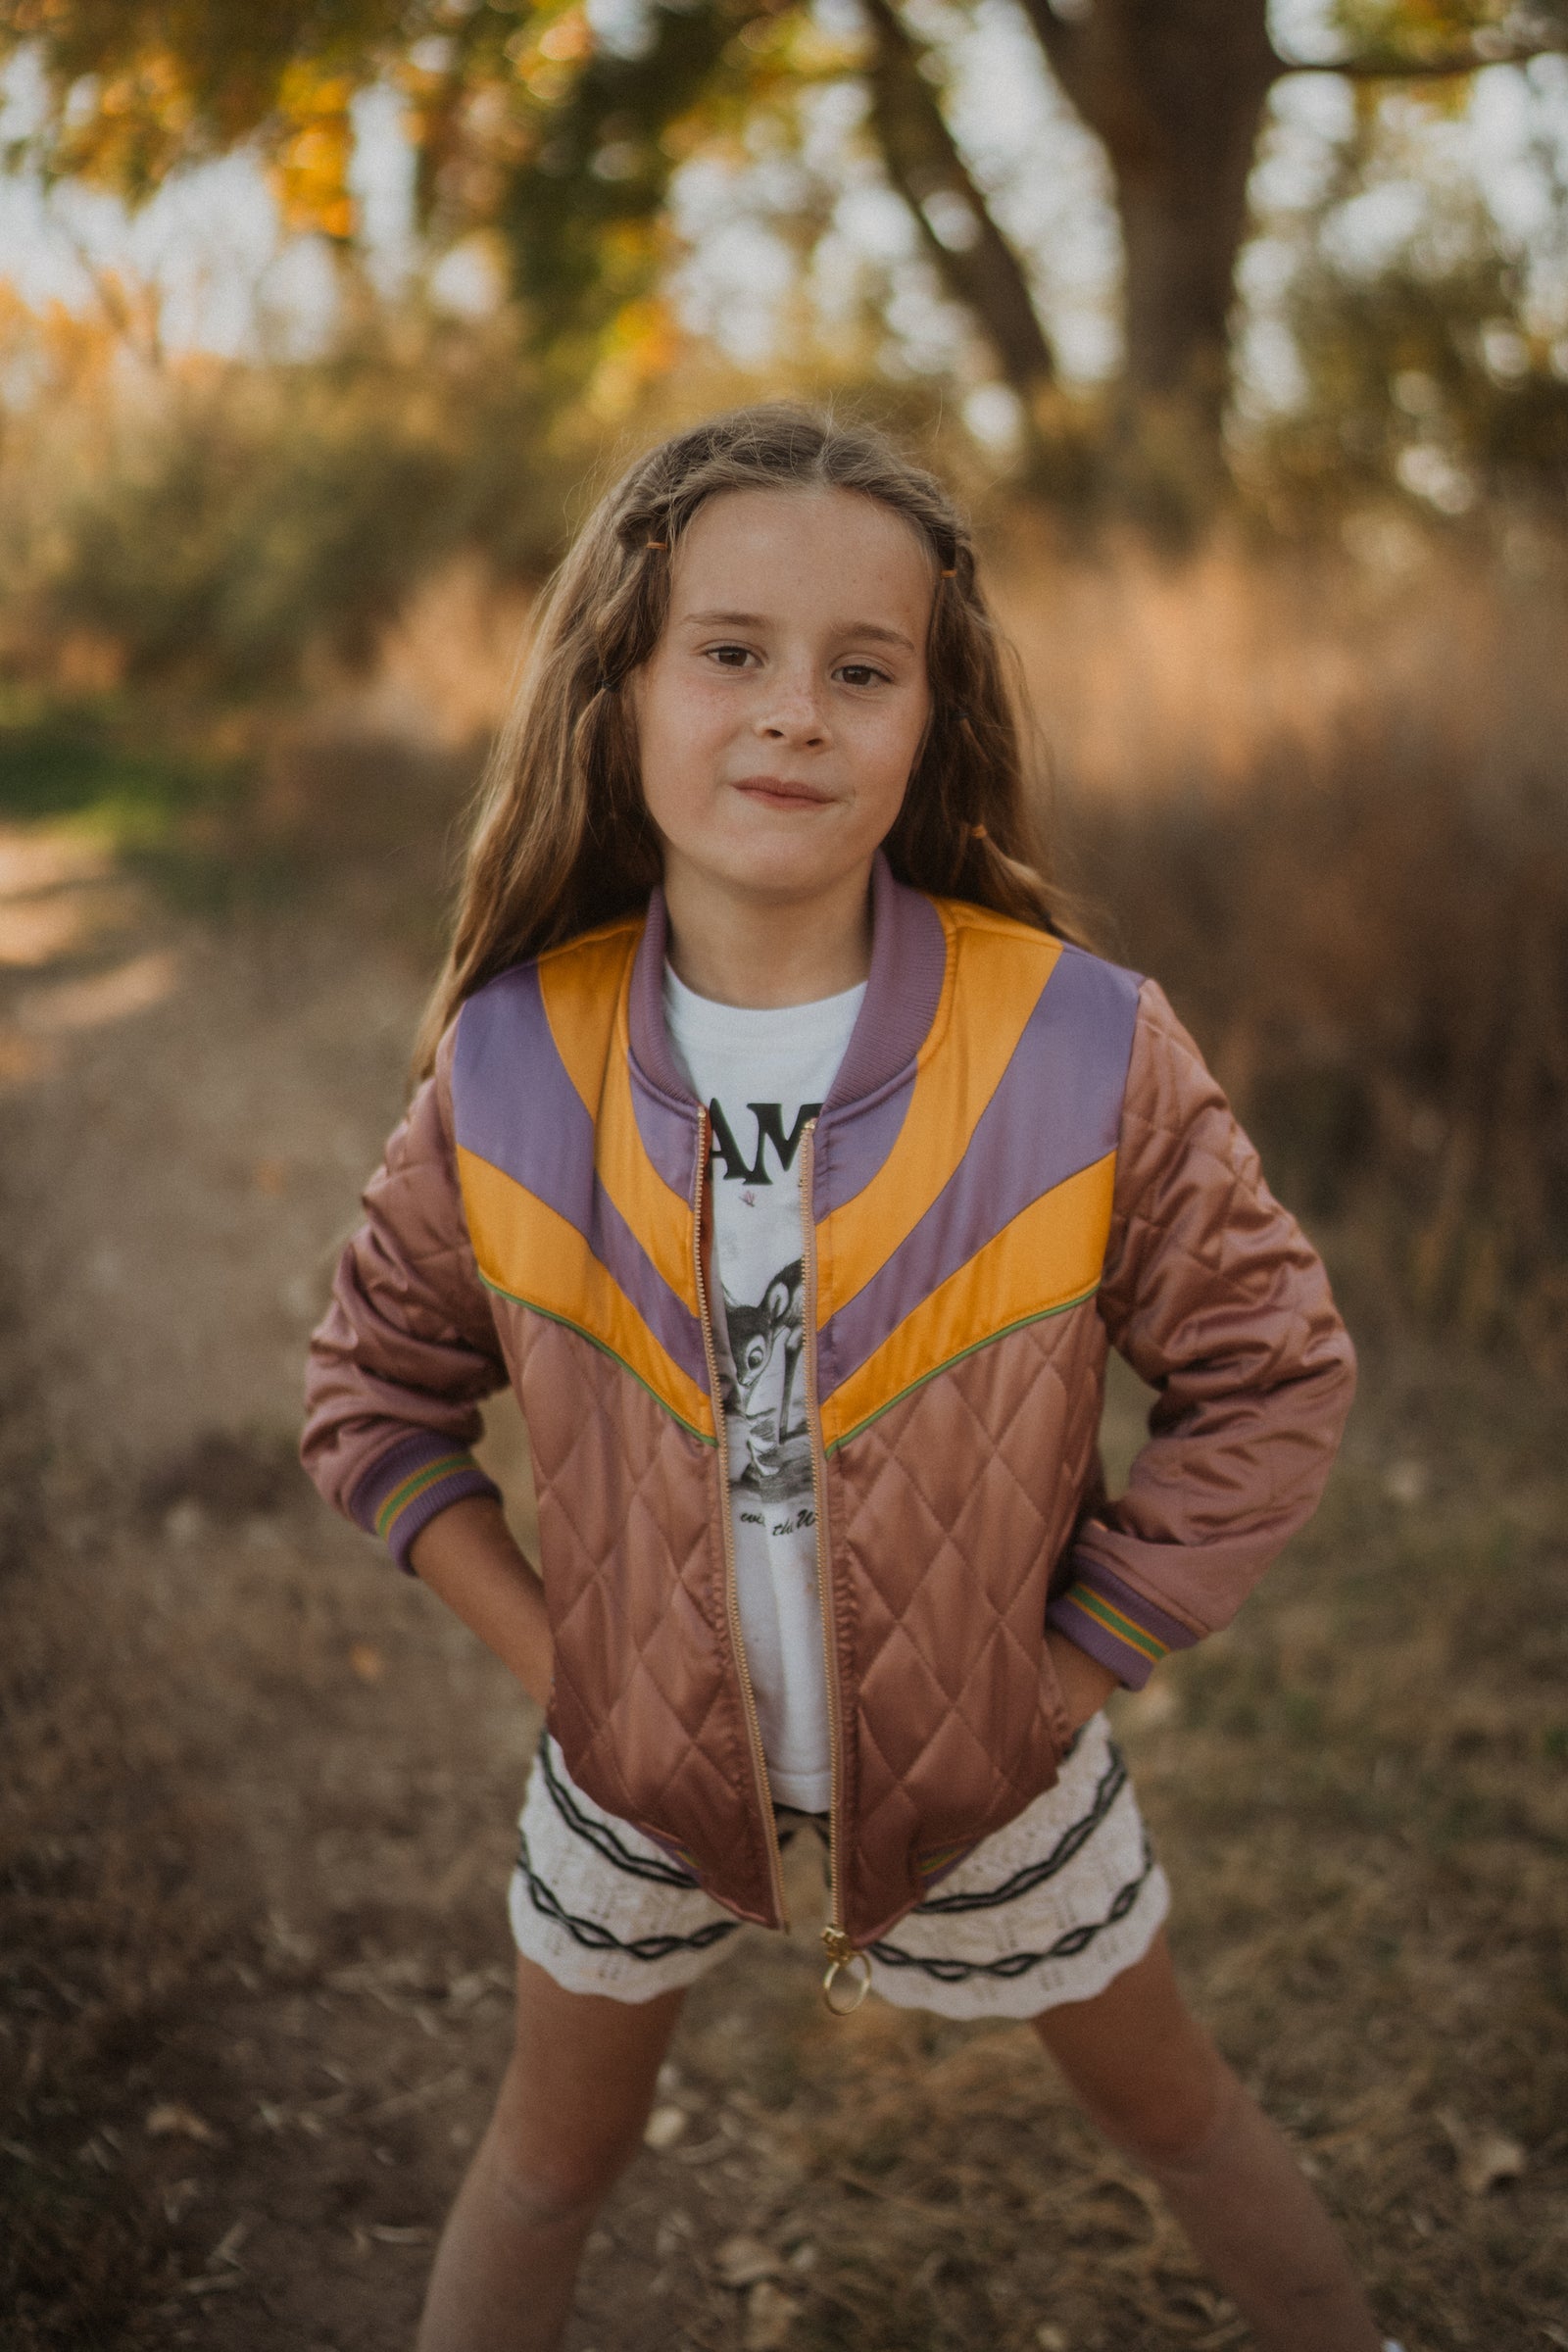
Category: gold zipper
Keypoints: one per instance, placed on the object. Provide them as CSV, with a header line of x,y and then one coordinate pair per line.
x,y
727,1537
843,1958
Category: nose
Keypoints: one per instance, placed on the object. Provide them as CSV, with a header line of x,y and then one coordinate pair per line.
x,y
793,713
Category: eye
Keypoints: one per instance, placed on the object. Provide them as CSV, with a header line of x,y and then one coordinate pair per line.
x,y
729,657
862,673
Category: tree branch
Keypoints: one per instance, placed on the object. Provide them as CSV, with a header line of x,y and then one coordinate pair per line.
x,y
977,264
1388,66
1062,43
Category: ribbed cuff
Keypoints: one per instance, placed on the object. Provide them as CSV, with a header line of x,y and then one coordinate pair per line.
x,y
1121,1628
415,1483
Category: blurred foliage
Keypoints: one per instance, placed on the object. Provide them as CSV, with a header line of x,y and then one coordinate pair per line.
x,y
209,522
82,759
555,138
1427,381
1385,34
1377,967
152,787
140,90
1437,368
221,526
556,130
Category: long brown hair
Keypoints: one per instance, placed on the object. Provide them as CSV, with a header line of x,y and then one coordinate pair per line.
x,y
561,839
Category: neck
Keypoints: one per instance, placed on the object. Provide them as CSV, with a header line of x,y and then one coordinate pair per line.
x,y
766,951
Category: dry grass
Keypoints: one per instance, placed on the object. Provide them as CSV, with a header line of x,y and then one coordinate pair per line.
x,y
1325,801
1376,969
1157,677
252,1857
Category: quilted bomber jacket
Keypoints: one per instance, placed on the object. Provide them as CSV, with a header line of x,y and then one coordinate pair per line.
x,y
1021,1161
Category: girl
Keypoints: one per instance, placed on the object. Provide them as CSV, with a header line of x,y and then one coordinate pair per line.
x,y
781,1150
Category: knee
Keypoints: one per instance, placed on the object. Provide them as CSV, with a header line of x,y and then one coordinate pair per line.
x,y
551,2172
544,2191
1170,2120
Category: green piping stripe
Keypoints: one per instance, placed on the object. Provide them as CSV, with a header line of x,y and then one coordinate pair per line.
x,y
1111,1620
1044,1316
927,1865
566,1324
417,1484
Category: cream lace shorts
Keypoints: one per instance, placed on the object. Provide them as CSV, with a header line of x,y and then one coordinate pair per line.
x,y
1049,1909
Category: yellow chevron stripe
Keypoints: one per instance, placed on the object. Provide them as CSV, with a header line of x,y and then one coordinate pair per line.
x,y
582,985
529,1252
1047,1259
585,989
996,971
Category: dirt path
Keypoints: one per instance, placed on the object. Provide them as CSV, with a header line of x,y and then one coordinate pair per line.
x,y
258,1796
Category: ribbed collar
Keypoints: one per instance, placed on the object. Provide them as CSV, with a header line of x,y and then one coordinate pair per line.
x,y
908,958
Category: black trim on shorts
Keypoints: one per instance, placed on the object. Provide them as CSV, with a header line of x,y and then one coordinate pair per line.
x,y
596,1938
1112,1781
602,1838
1018,1964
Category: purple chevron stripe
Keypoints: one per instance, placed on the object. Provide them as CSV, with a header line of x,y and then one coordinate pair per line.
x,y
1055,1111
513,1100
515,1105
666,1109
652,1053
668,1132
909,962
851,1145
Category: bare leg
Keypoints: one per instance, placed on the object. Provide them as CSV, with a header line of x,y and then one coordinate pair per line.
x,y
1142,2067
571,2115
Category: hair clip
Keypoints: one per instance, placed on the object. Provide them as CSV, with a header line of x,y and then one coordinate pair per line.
x,y
659,543
950,572
978,833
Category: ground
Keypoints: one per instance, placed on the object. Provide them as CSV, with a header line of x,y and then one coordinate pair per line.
x,y
257,1791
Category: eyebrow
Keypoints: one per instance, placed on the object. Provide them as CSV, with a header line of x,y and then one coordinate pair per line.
x,y
759,620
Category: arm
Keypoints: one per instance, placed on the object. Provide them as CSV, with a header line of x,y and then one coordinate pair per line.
x,y
468,1559
408,1347
1084,1683
1216,1299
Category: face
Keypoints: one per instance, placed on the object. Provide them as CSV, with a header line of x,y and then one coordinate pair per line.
x,y
781,714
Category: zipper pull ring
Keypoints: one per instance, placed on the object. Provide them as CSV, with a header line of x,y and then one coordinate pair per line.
x,y
856,1966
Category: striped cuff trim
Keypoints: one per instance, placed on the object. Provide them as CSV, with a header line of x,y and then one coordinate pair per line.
x,y
450,1465
411,1485
1127,1634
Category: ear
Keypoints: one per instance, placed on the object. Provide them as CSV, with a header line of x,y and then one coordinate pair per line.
x,y
778,1299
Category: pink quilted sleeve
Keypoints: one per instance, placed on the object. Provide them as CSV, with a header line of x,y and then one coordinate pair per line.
x,y
408,1347
1216,1299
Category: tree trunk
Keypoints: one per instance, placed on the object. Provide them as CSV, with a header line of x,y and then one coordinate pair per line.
x,y
1175,89
977,264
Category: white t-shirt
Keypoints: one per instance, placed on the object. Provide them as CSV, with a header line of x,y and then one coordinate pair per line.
x,y
762,1074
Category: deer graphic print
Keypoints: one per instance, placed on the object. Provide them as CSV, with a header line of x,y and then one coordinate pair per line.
x,y
765,1392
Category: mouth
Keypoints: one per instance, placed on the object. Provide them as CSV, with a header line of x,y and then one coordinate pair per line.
x,y
779,792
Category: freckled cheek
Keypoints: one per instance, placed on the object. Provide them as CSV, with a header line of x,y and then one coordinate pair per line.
x,y
886,755
678,743
696,722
